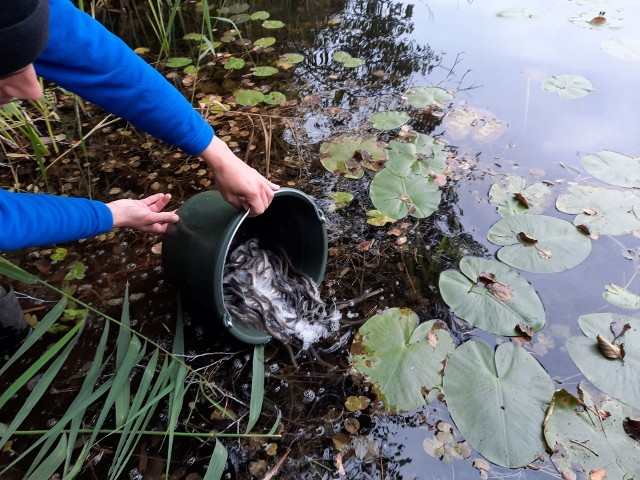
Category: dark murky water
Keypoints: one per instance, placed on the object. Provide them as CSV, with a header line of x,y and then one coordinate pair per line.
x,y
495,64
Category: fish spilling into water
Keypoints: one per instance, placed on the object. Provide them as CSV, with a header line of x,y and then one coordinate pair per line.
x,y
263,290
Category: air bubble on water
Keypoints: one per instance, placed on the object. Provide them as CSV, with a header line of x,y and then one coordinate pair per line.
x,y
51,422
319,430
273,367
136,296
134,474
237,363
284,383
131,266
144,275
276,389
190,461
351,314
157,268
199,331
308,395
320,390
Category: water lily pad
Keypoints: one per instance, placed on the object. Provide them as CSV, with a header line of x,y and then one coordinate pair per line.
x,y
240,18
248,97
265,42
602,210
498,403
294,57
341,199
388,120
625,48
568,86
621,297
616,376
264,71
272,24
398,196
353,62
177,62
401,358
491,296
585,441
260,15
512,197
526,14
378,219
538,243
341,56
347,155
234,64
428,97
423,155
613,168
599,20
274,98
481,125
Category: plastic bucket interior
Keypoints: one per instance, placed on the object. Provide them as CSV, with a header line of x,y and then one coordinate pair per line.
x,y
194,249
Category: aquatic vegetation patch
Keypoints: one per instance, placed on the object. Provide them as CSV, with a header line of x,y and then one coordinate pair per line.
x,y
609,19
444,446
401,358
254,97
512,196
626,48
568,86
397,196
539,243
428,97
491,296
621,297
422,155
613,168
481,125
609,354
340,200
348,155
498,402
388,120
591,438
347,60
602,210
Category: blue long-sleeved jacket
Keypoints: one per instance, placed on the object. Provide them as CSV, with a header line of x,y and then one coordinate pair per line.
x,y
84,57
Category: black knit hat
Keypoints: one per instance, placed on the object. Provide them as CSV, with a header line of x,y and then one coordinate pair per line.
x,y
24,32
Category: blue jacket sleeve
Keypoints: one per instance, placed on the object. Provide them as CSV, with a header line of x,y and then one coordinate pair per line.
x,y
31,219
82,56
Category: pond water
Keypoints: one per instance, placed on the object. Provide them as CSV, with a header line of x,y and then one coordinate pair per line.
x,y
489,62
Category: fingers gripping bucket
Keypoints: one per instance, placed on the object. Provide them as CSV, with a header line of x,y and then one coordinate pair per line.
x,y
194,250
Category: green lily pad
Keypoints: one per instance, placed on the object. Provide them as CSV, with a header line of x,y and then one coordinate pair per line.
x,y
388,120
624,48
423,155
401,358
583,442
428,97
238,8
274,98
378,219
293,57
568,86
260,15
538,243
481,125
353,62
347,155
264,71
602,210
491,296
177,62
616,376
341,199
240,18
265,42
526,14
234,63
398,196
613,168
248,97
341,56
272,24
498,403
512,197
621,297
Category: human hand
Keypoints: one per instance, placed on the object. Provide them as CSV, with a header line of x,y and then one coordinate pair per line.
x,y
144,215
240,185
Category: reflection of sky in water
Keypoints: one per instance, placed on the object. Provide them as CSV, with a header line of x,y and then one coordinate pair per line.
x,y
508,59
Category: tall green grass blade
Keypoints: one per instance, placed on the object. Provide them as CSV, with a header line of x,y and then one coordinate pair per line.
x,y
75,470
217,462
38,364
257,387
48,468
12,271
124,340
42,328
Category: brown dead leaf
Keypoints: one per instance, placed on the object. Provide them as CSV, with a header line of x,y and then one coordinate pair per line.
x,y
526,329
501,291
157,248
527,240
544,254
568,474
482,466
589,211
440,180
618,330
632,428
610,350
520,198
366,245
432,339
597,474
584,229
486,278
395,232
341,470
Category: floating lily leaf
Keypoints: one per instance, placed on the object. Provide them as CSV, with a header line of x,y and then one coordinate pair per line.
x,y
587,437
428,97
398,196
568,86
353,62
621,297
617,377
423,155
248,97
272,24
491,296
341,56
198,37
265,42
294,57
513,197
613,168
596,20
240,18
348,155
602,210
238,8
341,200
260,15
401,358
480,124
274,98
538,243
234,63
625,48
177,62
379,219
388,120
498,403
518,14
265,71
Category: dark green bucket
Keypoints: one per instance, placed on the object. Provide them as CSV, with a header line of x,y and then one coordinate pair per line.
x,y
194,250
